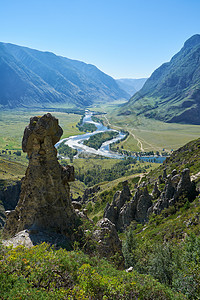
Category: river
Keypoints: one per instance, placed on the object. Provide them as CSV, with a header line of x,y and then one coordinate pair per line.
x,y
76,142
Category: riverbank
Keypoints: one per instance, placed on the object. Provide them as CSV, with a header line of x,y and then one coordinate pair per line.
x,y
83,148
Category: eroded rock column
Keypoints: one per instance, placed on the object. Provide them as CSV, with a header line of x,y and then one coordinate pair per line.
x,y
44,202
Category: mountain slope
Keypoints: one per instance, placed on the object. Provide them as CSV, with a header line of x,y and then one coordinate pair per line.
x,y
42,79
131,86
172,93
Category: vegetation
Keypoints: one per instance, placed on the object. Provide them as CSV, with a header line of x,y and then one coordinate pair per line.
x,y
149,134
171,94
91,172
14,122
187,156
164,253
86,127
43,272
96,141
97,120
11,169
65,150
168,248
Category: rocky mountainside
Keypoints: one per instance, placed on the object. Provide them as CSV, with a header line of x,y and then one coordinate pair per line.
x,y
172,93
131,86
31,78
169,187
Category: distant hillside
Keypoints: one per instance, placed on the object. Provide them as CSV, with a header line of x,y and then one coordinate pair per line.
x,y
31,78
172,93
131,86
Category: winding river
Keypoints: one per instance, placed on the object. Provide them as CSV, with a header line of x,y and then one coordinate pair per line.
x,y
76,142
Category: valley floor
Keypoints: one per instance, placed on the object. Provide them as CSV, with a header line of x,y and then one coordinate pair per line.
x,y
151,135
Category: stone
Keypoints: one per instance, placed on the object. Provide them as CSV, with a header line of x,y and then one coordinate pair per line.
x,y
122,211
130,269
9,196
44,202
112,211
175,187
77,205
108,242
174,172
164,176
143,204
90,193
186,186
156,192
175,180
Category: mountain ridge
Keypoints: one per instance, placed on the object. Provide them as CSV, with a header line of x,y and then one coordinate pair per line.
x,y
172,93
131,85
31,77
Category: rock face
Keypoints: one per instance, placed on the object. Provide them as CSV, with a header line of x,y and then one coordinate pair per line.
x,y
123,210
44,202
9,196
90,193
176,187
108,242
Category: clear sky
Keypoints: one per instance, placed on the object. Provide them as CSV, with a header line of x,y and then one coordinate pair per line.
x,y
123,38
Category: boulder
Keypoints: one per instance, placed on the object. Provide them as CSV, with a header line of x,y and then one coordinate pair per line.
x,y
108,242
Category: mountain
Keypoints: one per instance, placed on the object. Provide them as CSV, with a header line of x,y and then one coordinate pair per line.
x,y
131,86
172,93
31,78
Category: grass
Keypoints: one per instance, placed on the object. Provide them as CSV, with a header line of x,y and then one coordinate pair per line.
x,y
46,273
154,135
11,170
13,123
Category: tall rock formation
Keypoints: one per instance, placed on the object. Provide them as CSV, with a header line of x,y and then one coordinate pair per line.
x,y
44,202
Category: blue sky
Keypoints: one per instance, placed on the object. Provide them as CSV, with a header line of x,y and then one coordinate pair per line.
x,y
123,38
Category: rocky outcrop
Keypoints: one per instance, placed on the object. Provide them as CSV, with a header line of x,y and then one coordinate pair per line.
x,y
90,193
9,194
123,210
112,211
177,188
108,242
44,202
142,204
156,192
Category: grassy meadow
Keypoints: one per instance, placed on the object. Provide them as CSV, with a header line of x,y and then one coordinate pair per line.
x,y
13,123
13,161
148,134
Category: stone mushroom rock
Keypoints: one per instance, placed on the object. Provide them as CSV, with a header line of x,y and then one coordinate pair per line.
x,y
108,242
44,202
